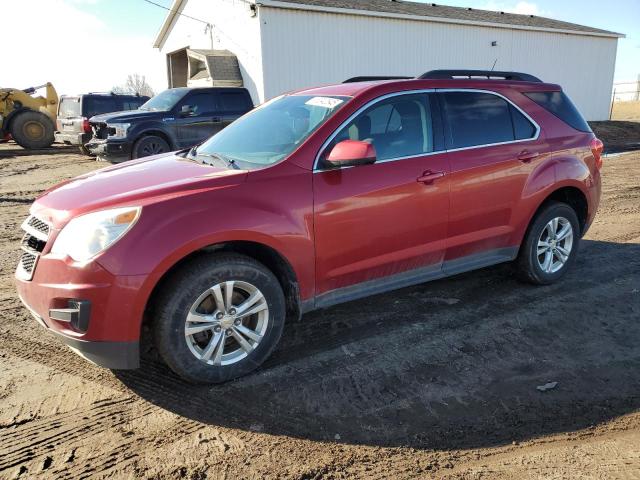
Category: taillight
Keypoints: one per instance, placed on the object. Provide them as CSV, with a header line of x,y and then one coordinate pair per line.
x,y
85,125
596,148
58,125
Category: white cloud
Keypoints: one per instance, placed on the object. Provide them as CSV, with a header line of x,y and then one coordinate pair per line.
x,y
72,49
522,7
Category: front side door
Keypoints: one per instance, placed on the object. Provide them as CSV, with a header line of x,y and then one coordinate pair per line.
x,y
492,149
197,118
382,223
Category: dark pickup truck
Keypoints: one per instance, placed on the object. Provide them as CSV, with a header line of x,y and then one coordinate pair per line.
x,y
172,120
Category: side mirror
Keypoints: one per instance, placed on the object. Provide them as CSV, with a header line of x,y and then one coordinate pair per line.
x,y
350,153
186,110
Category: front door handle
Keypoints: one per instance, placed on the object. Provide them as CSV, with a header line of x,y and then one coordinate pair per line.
x,y
526,156
429,177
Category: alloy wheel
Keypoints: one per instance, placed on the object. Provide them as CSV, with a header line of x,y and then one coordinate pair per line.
x,y
226,323
554,245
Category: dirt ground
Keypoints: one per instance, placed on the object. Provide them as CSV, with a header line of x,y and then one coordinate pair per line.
x,y
628,110
433,381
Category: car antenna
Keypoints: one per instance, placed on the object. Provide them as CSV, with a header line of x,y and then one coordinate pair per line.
x,y
494,65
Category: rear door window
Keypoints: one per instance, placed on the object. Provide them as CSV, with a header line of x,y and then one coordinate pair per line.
x,y
476,118
233,102
201,103
562,107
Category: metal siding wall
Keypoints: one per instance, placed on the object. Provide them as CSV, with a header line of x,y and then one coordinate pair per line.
x,y
302,49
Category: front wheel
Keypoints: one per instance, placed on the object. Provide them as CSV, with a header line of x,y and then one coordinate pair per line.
x,y
149,145
219,317
550,246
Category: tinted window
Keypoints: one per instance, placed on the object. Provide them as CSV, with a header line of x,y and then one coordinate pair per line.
x,y
477,118
201,103
522,127
233,102
96,105
165,101
398,127
562,107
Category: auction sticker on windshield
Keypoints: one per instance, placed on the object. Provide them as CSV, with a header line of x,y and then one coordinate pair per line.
x,y
325,102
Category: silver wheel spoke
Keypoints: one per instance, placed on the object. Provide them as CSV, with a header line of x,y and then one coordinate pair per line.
x,y
554,226
250,302
247,332
217,360
217,295
246,346
195,317
211,346
201,327
548,261
562,255
565,232
228,290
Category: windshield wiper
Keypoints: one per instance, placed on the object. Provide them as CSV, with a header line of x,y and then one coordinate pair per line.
x,y
219,156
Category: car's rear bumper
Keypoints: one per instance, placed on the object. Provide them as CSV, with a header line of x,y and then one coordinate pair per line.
x,y
72,138
111,150
106,330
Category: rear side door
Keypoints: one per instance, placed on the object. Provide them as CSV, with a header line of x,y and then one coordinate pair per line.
x,y
200,122
232,104
378,226
493,147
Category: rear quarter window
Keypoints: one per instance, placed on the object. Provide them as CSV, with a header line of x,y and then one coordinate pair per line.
x,y
562,107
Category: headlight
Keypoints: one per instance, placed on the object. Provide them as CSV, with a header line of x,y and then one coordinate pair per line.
x,y
119,129
87,235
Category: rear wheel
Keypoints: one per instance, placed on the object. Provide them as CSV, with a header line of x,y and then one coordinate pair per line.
x,y
219,317
32,130
550,246
149,145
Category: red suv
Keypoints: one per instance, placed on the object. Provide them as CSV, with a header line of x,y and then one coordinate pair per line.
x,y
317,197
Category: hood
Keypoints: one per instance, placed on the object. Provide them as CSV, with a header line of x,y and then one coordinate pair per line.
x,y
139,182
128,115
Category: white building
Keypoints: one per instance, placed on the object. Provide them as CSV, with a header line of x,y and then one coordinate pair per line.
x,y
273,46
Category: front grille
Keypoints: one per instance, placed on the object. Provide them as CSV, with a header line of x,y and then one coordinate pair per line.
x,y
32,245
38,224
100,131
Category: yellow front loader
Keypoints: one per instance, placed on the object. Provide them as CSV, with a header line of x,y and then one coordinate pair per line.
x,y
29,120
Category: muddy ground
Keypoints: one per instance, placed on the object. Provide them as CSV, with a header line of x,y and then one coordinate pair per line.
x,y
433,381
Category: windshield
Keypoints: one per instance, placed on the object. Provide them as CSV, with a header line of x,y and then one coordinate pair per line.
x,y
274,130
164,101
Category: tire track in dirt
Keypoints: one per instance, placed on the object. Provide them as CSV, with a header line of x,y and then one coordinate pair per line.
x,y
42,436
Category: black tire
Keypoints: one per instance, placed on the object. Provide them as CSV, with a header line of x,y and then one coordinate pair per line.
x,y
176,297
149,145
528,265
32,130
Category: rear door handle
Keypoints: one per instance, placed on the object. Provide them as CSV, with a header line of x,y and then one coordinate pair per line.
x,y
429,177
526,156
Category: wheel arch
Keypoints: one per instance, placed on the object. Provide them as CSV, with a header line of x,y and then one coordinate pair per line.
x,y
572,195
276,262
158,132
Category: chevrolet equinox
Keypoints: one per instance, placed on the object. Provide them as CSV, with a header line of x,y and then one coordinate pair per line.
x,y
317,197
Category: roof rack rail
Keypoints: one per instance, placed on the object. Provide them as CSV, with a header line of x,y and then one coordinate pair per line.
x,y
451,74
373,78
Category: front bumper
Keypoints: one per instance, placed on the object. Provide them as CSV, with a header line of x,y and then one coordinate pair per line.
x,y
72,138
111,150
106,331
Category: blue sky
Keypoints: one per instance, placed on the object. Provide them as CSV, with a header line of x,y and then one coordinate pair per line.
x,y
126,28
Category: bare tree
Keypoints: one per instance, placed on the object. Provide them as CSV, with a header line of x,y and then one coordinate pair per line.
x,y
135,84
